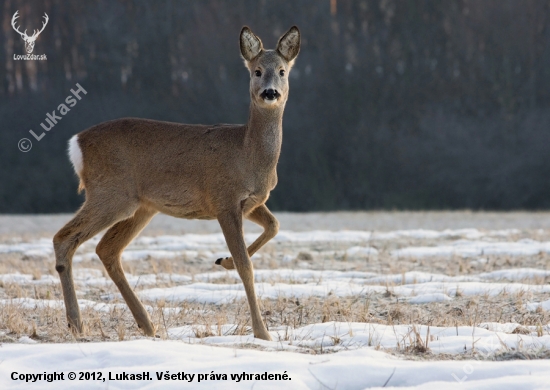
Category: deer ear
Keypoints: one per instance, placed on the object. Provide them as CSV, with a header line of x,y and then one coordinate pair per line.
x,y
289,44
251,45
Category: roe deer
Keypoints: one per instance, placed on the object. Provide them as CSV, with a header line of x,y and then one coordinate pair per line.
x,y
134,168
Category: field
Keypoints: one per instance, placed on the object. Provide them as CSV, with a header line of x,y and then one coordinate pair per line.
x,y
352,300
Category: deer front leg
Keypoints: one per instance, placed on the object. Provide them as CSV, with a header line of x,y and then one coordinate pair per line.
x,y
231,223
263,217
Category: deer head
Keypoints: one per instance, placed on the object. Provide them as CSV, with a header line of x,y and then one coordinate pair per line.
x,y
269,68
29,41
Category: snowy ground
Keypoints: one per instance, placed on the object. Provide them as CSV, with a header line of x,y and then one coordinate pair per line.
x,y
430,304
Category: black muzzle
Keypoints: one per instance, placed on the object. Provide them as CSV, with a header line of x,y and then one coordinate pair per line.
x,y
270,94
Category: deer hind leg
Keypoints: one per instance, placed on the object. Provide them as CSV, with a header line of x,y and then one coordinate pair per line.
x,y
263,217
91,219
232,227
109,251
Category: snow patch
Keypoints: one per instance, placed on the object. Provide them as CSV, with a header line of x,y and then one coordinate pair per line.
x,y
427,298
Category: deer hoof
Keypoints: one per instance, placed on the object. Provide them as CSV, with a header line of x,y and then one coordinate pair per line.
x,y
226,262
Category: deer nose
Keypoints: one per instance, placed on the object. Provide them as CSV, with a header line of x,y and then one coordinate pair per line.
x,y
270,94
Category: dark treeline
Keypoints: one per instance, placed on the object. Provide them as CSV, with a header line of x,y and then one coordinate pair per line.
x,y
415,104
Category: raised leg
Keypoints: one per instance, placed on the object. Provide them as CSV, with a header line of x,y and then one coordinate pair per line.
x,y
232,226
91,219
109,251
263,217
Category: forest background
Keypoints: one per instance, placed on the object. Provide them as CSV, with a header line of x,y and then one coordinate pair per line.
x,y
394,104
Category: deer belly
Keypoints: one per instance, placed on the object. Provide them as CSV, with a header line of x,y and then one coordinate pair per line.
x,y
188,207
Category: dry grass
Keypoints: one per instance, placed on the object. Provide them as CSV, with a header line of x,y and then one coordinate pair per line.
x,y
48,324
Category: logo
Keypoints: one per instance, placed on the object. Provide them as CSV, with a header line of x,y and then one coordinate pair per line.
x,y
29,40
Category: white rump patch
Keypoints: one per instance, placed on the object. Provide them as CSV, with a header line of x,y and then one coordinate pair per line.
x,y
75,154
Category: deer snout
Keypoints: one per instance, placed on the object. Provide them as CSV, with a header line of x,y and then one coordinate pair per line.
x,y
270,94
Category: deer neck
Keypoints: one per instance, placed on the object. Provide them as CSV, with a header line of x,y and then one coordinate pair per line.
x,y
264,134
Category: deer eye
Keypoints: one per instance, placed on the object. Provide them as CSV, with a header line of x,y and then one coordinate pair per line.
x,y
258,73
282,72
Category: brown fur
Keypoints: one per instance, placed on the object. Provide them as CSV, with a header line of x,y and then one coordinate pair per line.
x,y
134,168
